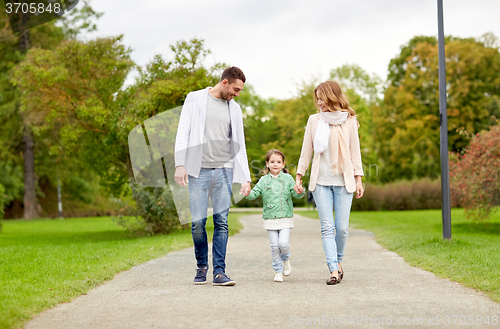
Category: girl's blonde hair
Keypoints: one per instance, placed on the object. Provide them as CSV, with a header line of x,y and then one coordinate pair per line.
x,y
268,156
331,94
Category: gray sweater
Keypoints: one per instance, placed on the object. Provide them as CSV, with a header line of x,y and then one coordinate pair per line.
x,y
217,137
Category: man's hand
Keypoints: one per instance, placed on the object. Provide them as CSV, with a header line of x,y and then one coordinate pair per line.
x,y
181,176
245,189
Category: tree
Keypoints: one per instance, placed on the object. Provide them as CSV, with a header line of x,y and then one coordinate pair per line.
x,y
17,137
407,123
475,175
69,94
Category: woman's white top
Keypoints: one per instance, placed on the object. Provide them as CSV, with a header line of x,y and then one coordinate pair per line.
x,y
325,175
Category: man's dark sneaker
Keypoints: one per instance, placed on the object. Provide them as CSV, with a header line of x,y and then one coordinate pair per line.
x,y
201,276
222,279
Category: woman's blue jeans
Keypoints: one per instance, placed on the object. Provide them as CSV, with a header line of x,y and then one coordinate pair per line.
x,y
333,230
216,184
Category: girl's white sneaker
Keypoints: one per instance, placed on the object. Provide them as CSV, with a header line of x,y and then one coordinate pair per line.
x,y
287,269
278,277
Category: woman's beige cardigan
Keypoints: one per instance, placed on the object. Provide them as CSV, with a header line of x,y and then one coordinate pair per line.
x,y
351,168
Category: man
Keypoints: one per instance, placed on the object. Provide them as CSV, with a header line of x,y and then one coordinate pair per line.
x,y
210,155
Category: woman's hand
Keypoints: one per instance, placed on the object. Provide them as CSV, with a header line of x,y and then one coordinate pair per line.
x,y
359,187
299,188
298,184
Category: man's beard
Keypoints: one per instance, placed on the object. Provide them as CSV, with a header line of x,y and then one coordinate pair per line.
x,y
224,96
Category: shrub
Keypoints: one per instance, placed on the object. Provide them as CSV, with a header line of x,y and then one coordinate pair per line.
x,y
154,213
475,175
413,195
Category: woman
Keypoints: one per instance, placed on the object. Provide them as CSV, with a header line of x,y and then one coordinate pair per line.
x,y
336,172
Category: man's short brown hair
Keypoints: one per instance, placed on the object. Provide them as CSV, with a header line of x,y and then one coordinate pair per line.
x,y
232,73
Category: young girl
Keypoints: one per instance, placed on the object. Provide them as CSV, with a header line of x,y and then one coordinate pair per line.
x,y
277,188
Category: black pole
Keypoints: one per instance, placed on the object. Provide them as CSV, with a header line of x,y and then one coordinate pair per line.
x,y
443,114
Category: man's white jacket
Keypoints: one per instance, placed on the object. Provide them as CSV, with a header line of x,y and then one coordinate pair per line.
x,y
191,130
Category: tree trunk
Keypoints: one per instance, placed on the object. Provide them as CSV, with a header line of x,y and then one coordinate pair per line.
x,y
31,206
30,202
129,168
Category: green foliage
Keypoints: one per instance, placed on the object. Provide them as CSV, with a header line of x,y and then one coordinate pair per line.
x,y
407,123
398,65
163,85
46,36
353,77
12,181
155,212
69,100
475,175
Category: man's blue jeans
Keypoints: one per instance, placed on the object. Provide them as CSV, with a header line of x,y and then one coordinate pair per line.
x,y
216,184
333,230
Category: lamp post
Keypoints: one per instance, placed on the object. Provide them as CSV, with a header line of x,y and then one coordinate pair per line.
x,y
443,115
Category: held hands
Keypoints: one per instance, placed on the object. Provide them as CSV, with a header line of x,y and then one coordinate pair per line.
x,y
245,189
181,176
298,185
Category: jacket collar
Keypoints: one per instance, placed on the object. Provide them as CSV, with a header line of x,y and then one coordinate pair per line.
x,y
280,175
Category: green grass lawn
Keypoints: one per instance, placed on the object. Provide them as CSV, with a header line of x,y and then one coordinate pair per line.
x,y
46,262
472,257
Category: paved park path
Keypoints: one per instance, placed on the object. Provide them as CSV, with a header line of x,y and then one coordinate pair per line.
x,y
378,288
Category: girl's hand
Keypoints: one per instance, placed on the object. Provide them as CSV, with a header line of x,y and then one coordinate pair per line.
x,y
359,189
299,189
298,185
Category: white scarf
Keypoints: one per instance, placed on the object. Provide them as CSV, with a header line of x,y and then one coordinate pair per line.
x,y
323,129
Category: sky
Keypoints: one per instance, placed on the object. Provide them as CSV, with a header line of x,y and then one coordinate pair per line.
x,y
280,44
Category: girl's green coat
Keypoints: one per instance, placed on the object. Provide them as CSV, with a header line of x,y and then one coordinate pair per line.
x,y
276,194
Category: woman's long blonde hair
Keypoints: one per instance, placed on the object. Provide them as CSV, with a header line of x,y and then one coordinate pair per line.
x,y
331,94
